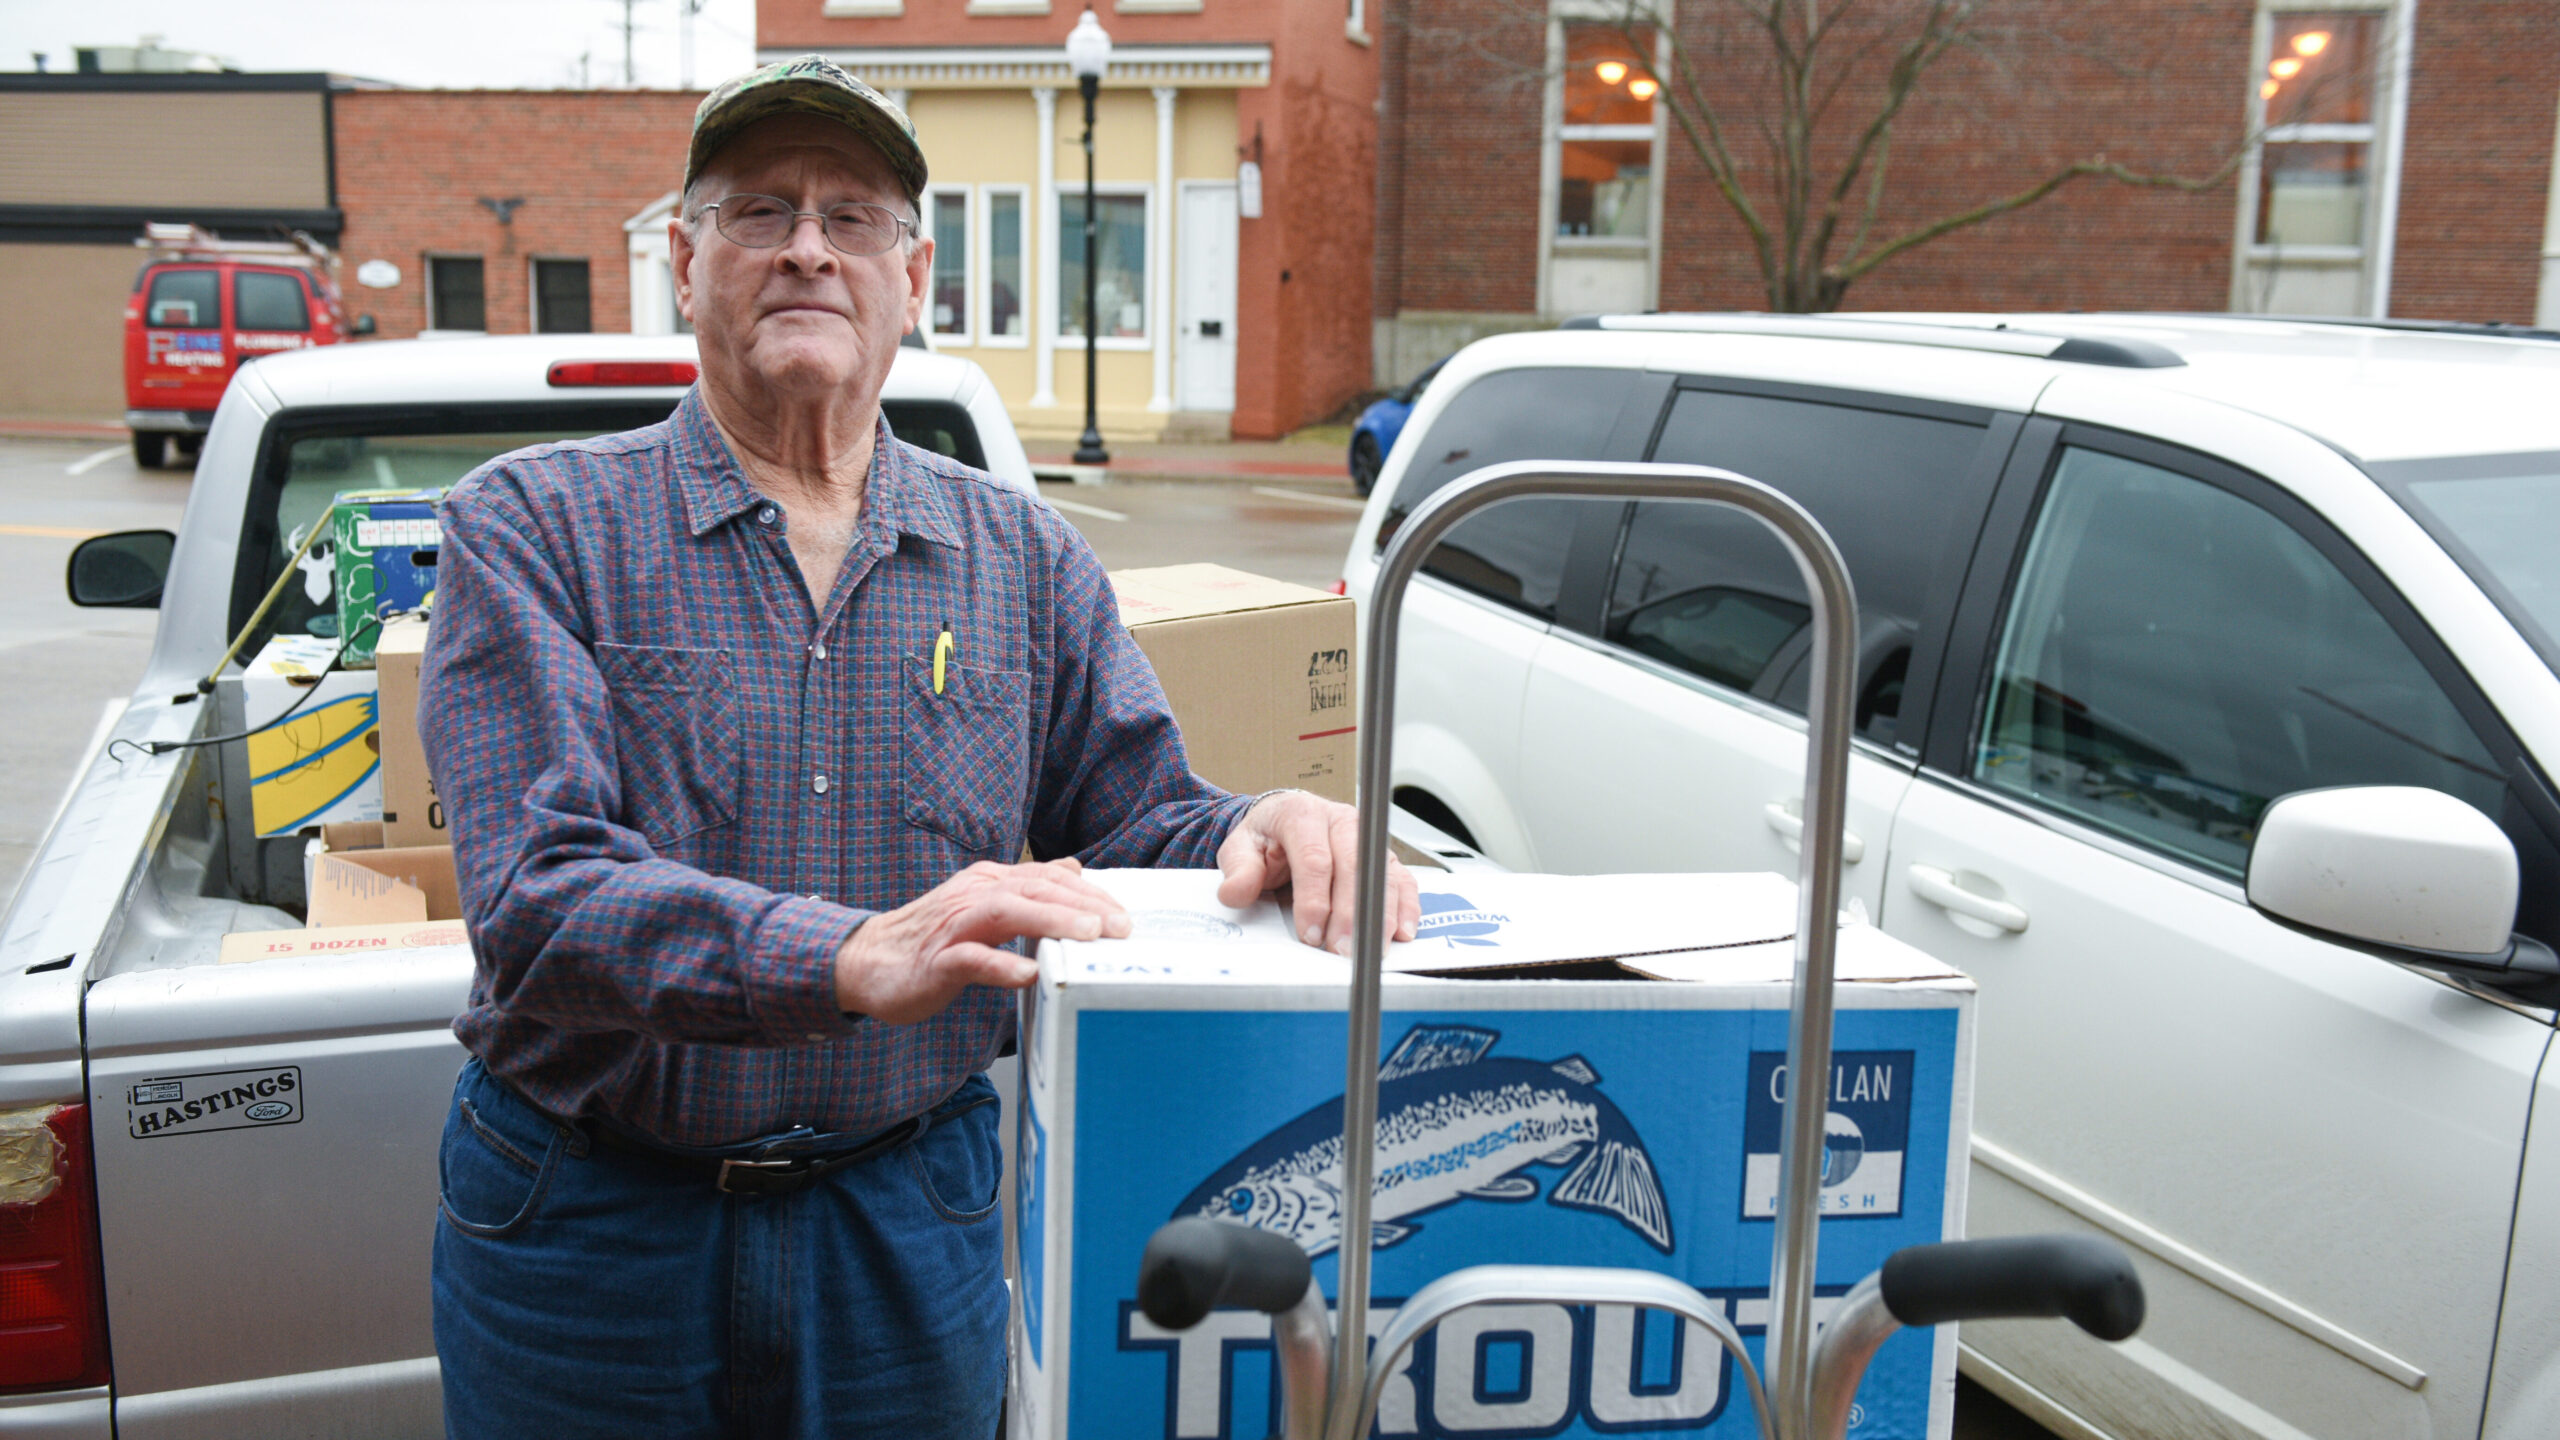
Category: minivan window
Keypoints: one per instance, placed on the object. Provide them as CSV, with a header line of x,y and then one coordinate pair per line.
x,y
1514,552
265,300
2175,658
2499,517
1712,591
184,300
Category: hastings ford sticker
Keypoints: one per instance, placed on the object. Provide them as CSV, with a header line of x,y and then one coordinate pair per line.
x,y
227,1100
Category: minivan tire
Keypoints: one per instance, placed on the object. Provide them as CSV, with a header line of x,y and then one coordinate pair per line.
x,y
150,449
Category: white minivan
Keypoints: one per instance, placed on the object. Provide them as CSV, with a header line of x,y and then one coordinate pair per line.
x,y
2123,582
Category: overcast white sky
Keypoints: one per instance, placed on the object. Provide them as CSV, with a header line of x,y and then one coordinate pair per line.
x,y
455,44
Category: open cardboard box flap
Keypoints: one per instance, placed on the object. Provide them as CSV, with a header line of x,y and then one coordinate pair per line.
x,y
1732,929
365,899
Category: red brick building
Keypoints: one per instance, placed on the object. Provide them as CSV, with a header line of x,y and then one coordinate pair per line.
x,y
507,211
2368,157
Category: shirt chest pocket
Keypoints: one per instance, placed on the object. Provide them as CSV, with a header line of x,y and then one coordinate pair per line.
x,y
967,753
677,735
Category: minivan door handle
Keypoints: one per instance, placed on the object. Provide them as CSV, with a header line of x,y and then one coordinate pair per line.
x,y
1790,826
1939,888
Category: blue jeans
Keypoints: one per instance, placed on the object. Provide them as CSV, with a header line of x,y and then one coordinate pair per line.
x,y
581,1290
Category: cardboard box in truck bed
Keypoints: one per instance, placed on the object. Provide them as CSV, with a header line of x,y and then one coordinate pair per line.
x,y
363,897
1197,1069
1258,672
411,814
323,765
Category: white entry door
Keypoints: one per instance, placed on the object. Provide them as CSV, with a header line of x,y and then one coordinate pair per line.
x,y
1206,355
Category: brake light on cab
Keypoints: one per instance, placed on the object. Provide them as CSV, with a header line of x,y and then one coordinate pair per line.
x,y
53,1307
609,373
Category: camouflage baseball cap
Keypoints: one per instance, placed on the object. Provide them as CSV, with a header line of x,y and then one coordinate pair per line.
x,y
807,85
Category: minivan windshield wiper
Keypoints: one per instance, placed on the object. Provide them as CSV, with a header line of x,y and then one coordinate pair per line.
x,y
2499,517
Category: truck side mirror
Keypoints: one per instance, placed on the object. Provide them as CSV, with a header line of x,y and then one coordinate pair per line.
x,y
2409,873
124,570
363,326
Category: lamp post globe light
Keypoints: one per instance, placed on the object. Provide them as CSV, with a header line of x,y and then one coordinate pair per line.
x,y
1088,55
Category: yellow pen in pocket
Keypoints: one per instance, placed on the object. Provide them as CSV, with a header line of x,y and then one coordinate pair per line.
x,y
942,648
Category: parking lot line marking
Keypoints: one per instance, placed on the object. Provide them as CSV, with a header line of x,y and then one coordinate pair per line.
x,y
1301,496
58,532
87,463
1096,511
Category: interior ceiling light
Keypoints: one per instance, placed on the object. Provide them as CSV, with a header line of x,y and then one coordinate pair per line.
x,y
2268,90
1642,88
2286,68
2310,42
1610,71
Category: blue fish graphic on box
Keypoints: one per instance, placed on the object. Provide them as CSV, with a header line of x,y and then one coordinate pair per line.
x,y
1453,1124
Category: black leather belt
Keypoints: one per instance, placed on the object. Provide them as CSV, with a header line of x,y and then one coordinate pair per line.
x,y
748,1175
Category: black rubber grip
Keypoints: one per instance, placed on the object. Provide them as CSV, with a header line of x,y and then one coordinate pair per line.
x,y
1193,1266
2087,1279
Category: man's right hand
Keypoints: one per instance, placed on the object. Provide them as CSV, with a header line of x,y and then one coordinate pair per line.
x,y
906,964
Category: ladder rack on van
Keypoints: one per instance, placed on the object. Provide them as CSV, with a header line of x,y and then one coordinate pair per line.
x,y
185,240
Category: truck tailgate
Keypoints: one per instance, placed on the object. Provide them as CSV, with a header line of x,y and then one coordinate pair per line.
x,y
266,1139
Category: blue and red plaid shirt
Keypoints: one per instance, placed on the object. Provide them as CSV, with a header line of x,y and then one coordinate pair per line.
x,y
675,787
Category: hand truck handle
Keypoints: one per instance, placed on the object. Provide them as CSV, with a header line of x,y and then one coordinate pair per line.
x,y
1193,1266
2080,1277
2019,1278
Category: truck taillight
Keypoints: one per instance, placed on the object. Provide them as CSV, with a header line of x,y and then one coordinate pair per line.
x,y
623,372
53,1311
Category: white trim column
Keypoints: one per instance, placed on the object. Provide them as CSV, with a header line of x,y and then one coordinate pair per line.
x,y
1044,311
2384,250
1160,253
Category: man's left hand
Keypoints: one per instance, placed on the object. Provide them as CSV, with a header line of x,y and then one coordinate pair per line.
x,y
1312,845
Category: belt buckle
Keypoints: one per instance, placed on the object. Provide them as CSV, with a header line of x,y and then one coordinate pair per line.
x,y
761,1177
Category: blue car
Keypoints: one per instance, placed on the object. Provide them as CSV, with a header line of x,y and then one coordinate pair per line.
x,y
1373,436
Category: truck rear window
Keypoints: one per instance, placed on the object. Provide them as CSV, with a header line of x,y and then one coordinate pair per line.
x,y
184,300
265,300
310,461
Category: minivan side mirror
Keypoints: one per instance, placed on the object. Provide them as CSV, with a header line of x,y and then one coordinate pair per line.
x,y
2411,874
124,570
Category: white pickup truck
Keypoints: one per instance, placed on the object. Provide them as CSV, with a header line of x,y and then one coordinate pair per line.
x,y
260,1272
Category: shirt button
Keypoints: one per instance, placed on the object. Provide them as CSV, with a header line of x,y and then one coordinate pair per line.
x,y
819,650
766,515
819,784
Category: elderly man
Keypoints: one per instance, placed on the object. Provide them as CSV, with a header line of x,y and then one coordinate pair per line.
x,y
741,721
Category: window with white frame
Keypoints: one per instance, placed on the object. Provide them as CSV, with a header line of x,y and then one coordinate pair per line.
x,y
2317,189
2317,161
456,293
947,222
1005,321
562,299
1604,139
1120,263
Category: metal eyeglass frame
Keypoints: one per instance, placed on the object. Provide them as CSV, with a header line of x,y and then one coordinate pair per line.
x,y
905,228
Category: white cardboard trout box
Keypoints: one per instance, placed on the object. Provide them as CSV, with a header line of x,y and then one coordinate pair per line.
x,y
1626,1120
1258,673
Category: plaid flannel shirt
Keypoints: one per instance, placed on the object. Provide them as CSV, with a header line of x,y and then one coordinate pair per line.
x,y
675,787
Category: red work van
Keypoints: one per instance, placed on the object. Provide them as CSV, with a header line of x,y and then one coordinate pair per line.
x,y
202,308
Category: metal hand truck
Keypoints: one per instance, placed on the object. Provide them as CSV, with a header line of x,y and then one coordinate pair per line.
x,y
1330,1377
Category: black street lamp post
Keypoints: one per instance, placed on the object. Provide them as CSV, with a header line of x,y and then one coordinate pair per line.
x,y
1088,55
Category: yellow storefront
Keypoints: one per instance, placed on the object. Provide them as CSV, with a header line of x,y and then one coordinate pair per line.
x,y
1002,133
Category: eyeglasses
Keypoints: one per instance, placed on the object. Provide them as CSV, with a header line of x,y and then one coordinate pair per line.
x,y
855,227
